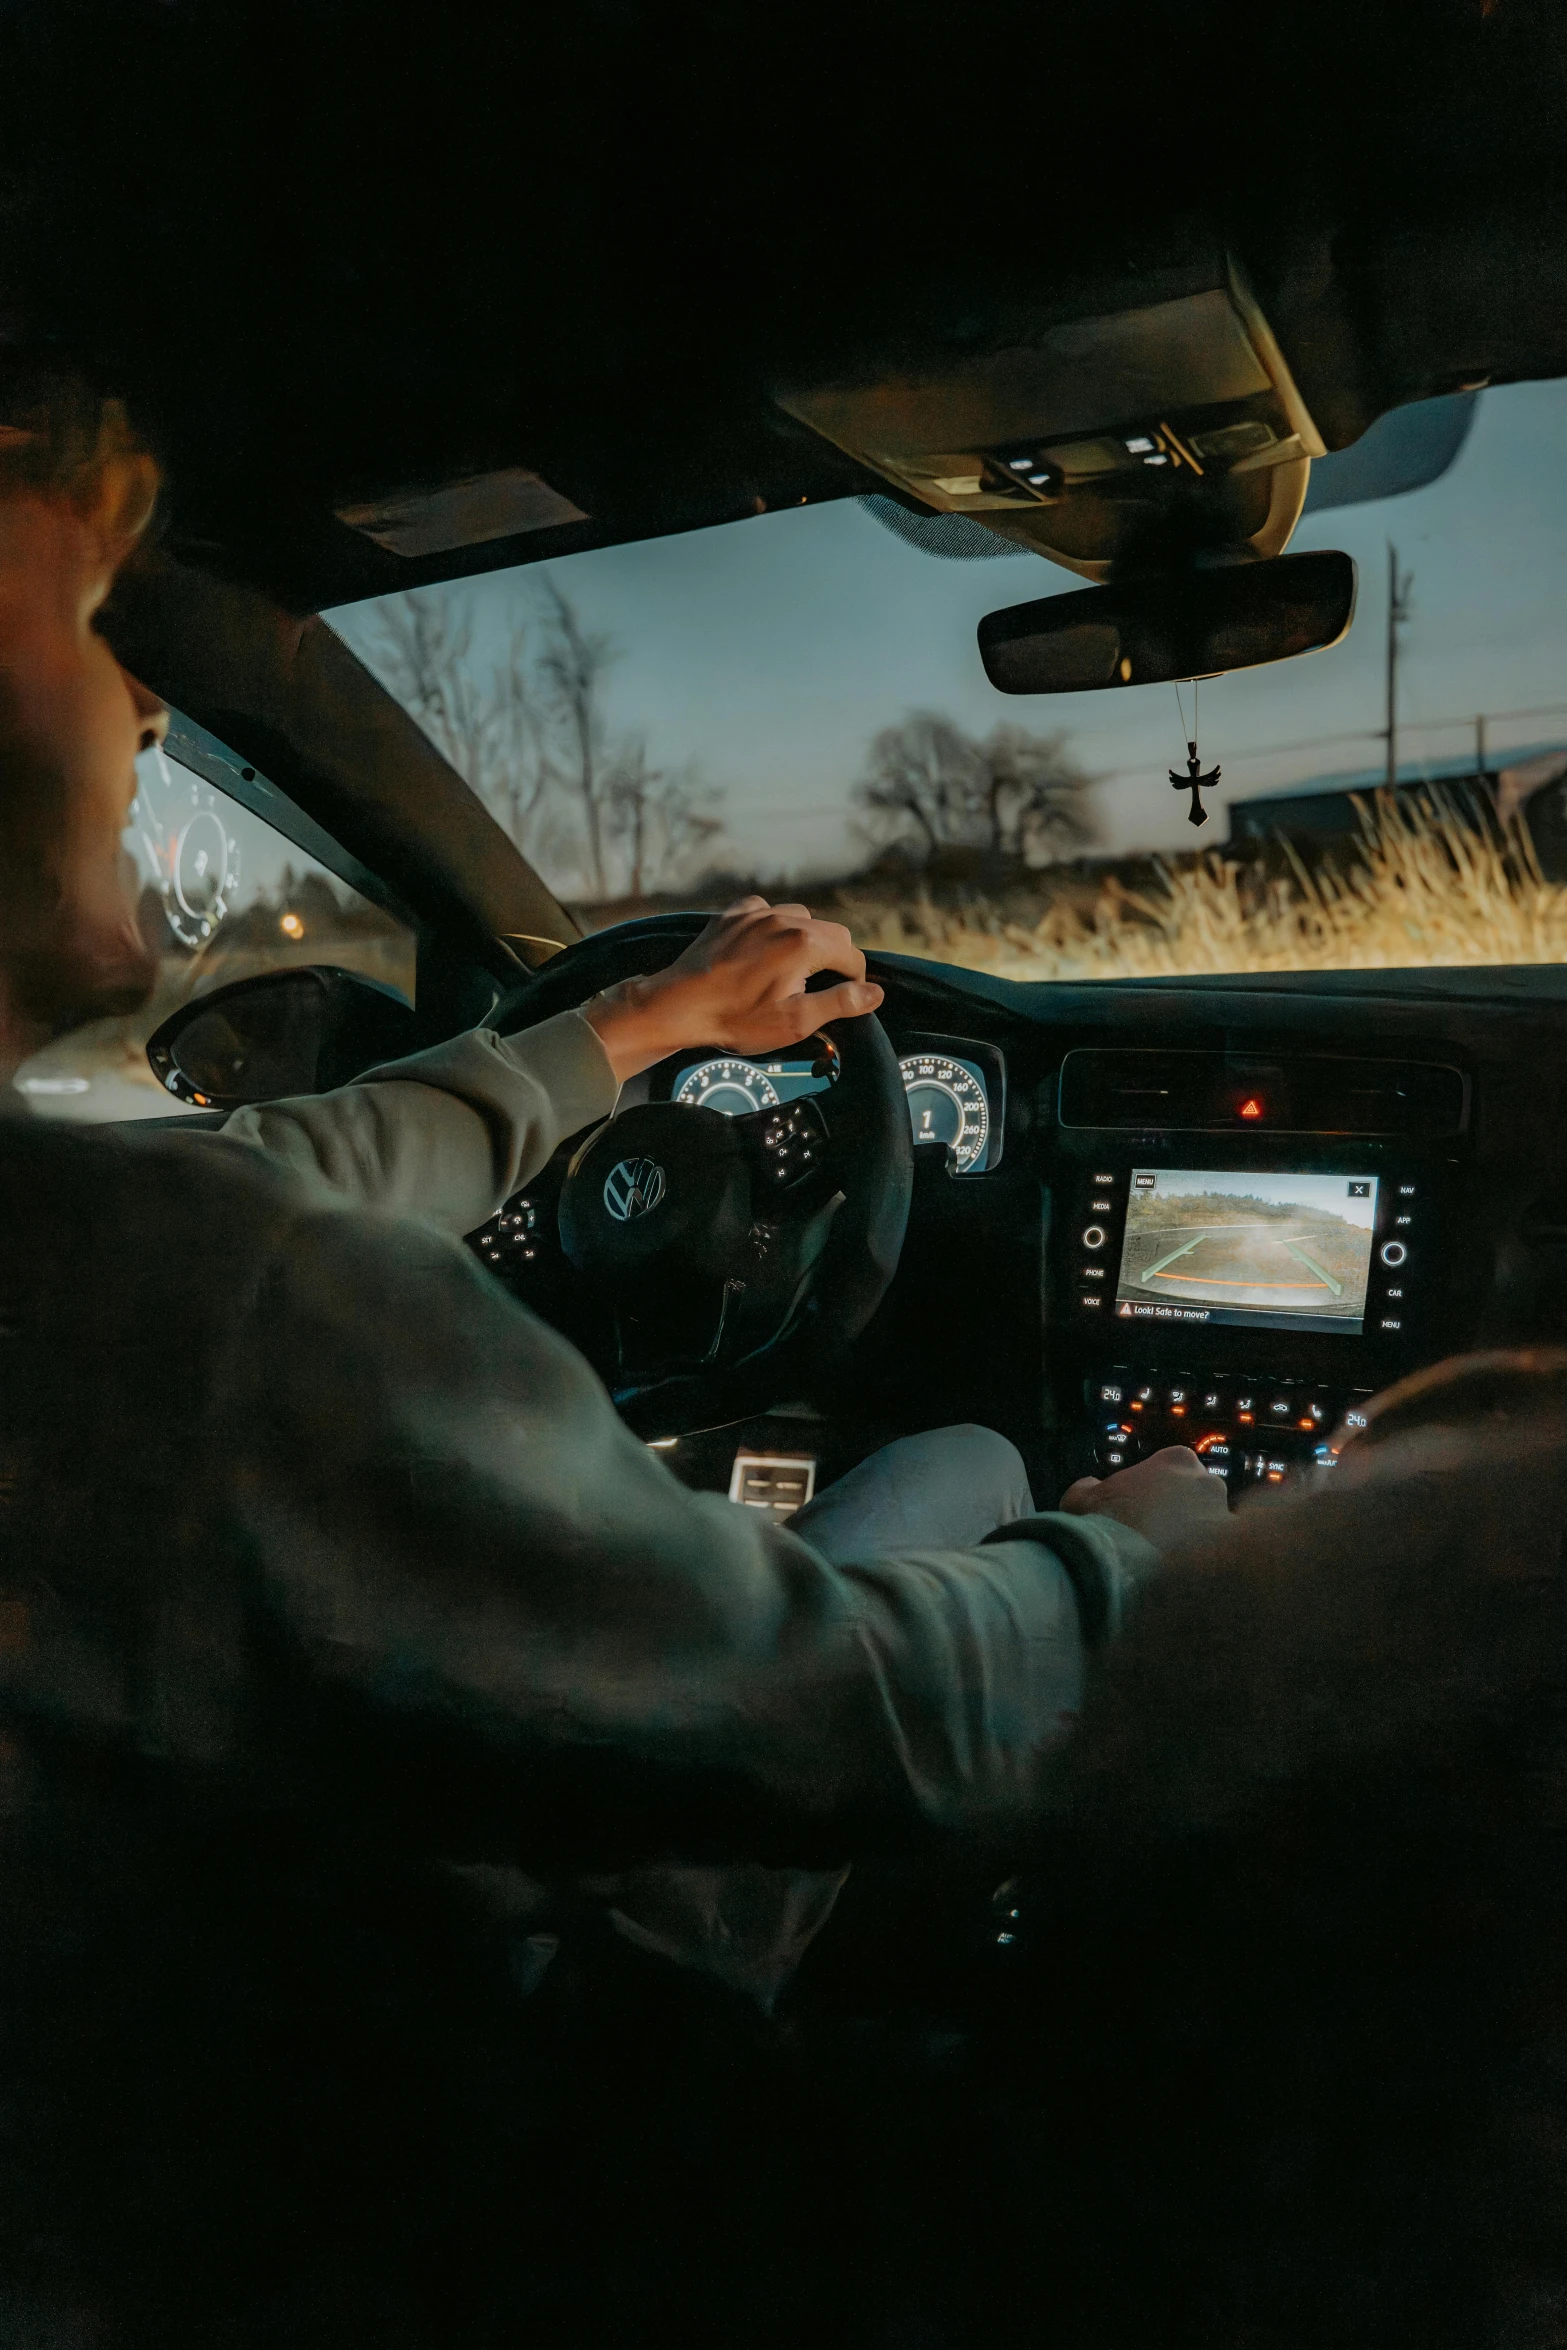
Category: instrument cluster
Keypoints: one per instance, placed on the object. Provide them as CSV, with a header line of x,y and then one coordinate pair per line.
x,y
953,1090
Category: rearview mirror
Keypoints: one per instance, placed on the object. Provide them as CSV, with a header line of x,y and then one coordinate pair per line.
x,y
287,1032
1192,624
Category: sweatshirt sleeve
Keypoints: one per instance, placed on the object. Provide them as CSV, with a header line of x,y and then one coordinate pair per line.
x,y
445,1136
519,1631
1106,1562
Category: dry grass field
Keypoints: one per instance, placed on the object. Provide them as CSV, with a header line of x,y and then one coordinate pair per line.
x,y
1424,883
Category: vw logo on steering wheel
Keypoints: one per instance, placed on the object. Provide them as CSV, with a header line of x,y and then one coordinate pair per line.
x,y
633,1188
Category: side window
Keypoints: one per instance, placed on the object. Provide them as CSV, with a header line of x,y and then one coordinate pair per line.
x,y
221,894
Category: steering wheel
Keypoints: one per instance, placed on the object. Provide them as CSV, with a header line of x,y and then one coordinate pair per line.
x,y
735,1256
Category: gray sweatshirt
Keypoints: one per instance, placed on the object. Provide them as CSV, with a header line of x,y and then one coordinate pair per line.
x,y
285,1475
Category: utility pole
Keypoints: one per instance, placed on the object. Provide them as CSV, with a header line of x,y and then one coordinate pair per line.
x,y
1480,749
1398,588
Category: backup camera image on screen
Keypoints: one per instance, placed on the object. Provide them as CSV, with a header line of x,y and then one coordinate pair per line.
x,y
1265,1251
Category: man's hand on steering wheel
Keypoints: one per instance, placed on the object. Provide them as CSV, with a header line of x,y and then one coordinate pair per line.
x,y
741,984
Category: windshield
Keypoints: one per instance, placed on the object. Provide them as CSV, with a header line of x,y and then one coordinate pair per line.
x,y
795,703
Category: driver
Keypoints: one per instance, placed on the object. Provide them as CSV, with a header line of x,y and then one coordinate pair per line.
x,y
302,1519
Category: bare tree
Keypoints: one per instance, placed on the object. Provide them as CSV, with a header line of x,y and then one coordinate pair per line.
x,y
920,784
688,825
529,730
422,649
572,665
929,786
661,822
1037,800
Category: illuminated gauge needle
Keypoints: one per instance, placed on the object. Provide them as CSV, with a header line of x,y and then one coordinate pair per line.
x,y
947,1103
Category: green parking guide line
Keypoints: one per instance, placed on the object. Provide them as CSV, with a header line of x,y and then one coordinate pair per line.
x,y
1149,1271
1312,1266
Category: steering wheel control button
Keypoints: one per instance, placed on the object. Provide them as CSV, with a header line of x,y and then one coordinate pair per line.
x,y
510,1235
1095,1236
793,1141
1394,1252
633,1187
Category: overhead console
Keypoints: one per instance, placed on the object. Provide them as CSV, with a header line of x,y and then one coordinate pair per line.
x,y
1099,436
1244,1246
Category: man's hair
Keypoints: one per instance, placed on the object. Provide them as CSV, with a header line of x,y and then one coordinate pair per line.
x,y
51,418
58,428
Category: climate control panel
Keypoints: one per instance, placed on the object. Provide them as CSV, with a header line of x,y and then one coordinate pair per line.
x,y
1248,1430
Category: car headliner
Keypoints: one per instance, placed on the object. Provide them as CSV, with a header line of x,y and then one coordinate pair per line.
x,y
339,254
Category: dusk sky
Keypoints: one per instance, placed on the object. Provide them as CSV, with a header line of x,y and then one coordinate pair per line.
x,y
771,651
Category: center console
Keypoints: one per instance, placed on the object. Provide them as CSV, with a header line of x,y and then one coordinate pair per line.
x,y
1242,1250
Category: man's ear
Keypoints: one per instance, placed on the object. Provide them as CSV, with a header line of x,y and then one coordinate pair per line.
x,y
117,491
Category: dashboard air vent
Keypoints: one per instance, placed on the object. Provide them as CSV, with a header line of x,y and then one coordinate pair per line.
x,y
1246,1094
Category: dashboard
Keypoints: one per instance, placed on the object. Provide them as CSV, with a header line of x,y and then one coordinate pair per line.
x,y
1215,1212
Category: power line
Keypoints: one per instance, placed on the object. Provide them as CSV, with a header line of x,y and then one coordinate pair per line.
x,y
1358,734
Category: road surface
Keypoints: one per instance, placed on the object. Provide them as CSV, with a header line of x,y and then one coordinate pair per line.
x,y
1280,1268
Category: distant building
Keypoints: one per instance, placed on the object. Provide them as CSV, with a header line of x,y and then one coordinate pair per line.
x,y
1324,810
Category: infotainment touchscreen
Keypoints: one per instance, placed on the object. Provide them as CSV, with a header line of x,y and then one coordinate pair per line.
x,y
1270,1252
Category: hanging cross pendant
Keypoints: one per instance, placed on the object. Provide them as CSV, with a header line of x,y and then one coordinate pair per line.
x,y
1194,782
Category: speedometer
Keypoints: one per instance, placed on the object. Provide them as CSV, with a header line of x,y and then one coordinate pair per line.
x,y
947,1103
733,1088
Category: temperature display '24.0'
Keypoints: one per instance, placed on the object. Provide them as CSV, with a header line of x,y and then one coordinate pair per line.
x,y
948,1103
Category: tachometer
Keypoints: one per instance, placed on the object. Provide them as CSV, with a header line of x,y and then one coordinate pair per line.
x,y
947,1103
733,1088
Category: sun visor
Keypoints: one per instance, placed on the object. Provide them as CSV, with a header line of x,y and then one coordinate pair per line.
x,y
1167,428
463,513
1404,450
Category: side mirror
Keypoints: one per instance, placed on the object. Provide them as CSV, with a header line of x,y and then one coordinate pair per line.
x,y
1151,630
286,1032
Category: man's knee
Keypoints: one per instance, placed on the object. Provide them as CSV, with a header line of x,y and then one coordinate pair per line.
x,y
982,1466
986,1462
